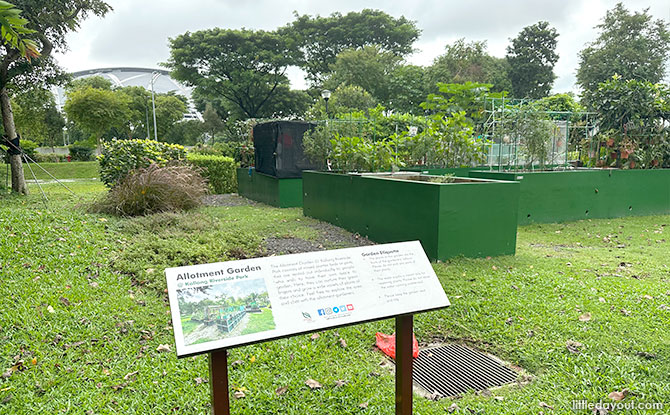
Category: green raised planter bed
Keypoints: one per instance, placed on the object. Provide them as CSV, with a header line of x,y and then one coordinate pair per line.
x,y
458,171
283,193
475,218
559,196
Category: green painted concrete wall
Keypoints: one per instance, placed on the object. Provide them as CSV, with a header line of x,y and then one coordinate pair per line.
x,y
561,196
283,193
449,219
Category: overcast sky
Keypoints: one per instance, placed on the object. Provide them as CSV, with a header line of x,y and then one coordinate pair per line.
x,y
136,33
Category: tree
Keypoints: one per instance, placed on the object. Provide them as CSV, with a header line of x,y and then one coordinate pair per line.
x,y
345,99
321,39
184,132
50,21
14,31
631,45
169,110
138,115
558,103
633,119
96,81
212,123
36,116
54,122
631,106
96,110
407,85
244,67
369,68
531,57
469,62
469,98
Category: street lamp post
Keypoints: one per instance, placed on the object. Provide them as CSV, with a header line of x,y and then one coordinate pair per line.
x,y
325,94
154,76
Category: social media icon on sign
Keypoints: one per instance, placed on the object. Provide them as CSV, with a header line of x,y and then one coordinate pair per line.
x,y
350,307
336,310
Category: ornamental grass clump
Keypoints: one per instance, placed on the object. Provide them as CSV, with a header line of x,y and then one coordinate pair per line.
x,y
154,189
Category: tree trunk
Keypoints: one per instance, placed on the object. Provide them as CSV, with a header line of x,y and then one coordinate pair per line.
x,y
18,181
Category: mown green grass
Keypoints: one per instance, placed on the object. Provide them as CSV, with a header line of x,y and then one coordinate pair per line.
x,y
72,170
83,295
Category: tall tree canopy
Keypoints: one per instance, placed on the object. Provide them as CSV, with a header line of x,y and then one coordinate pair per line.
x,y
37,117
634,46
469,62
50,20
247,68
321,39
531,57
97,110
369,68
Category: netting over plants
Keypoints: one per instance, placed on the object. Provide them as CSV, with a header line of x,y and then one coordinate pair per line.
x,y
522,135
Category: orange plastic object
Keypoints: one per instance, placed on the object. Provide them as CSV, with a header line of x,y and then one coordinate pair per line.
x,y
386,343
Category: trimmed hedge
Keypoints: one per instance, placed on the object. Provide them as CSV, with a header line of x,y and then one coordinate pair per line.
x,y
119,157
49,158
220,171
81,153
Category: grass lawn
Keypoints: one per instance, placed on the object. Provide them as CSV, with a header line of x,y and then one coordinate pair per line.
x,y
262,321
72,170
83,312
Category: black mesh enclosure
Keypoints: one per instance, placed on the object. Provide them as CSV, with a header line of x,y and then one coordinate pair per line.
x,y
278,148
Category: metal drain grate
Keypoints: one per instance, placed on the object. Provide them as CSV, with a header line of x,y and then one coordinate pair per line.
x,y
454,369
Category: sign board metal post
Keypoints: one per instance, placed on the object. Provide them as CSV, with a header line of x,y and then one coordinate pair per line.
x,y
403,364
218,371
218,377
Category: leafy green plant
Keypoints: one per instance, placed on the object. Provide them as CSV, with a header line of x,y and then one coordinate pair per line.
x,y
28,147
377,130
361,154
634,119
154,189
49,158
119,157
81,152
447,142
241,151
219,171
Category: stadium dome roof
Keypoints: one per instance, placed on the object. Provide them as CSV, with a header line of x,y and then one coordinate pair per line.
x,y
129,76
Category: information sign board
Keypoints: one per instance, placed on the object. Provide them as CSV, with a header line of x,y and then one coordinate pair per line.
x,y
229,304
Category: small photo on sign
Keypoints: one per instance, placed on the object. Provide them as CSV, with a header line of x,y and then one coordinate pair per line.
x,y
214,312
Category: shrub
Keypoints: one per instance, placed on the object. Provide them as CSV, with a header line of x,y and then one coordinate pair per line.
x,y
154,189
220,171
49,158
28,147
241,151
119,157
80,152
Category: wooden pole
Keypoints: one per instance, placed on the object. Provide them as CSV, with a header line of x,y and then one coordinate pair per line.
x,y
403,360
218,378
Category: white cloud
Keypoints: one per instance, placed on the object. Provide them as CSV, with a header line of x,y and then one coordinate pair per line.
x,y
136,33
